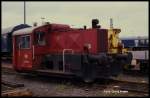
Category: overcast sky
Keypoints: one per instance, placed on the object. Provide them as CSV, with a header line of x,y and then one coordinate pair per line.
x,y
130,17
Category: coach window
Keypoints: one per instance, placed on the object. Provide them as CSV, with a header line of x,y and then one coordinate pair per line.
x,y
147,42
40,38
136,42
25,42
142,41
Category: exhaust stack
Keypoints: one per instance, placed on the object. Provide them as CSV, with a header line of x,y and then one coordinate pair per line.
x,y
95,23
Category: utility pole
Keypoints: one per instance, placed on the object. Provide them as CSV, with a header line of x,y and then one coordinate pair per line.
x,y
111,23
24,12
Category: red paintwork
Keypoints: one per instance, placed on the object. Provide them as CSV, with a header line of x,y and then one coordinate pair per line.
x,y
74,39
58,37
20,61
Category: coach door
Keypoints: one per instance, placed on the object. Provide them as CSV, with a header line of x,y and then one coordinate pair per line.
x,y
24,51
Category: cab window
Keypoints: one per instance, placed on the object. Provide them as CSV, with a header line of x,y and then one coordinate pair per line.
x,y
40,38
25,42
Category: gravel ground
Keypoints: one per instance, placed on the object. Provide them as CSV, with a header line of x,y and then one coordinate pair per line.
x,y
133,78
48,86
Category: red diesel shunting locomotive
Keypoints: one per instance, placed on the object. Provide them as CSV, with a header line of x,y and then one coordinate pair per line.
x,y
60,49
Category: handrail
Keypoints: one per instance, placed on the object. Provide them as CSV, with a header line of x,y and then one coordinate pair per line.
x,y
19,49
64,50
33,52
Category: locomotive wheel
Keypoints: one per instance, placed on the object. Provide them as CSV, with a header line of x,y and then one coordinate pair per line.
x,y
87,73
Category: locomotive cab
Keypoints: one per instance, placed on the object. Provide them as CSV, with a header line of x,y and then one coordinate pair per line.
x,y
22,50
26,46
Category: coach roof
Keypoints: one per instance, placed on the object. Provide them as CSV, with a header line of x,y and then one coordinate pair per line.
x,y
7,30
14,28
24,31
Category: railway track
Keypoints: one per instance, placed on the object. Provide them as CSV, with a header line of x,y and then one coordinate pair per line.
x,y
12,89
141,88
129,86
135,73
10,84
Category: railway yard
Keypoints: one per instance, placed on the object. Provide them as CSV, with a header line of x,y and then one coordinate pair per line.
x,y
75,50
14,84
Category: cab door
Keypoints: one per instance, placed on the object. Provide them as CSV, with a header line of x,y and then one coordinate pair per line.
x,y
39,47
24,52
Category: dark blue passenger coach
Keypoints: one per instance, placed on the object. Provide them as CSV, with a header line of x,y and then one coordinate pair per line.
x,y
135,42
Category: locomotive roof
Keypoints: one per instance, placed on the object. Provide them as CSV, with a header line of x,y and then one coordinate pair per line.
x,y
24,31
30,29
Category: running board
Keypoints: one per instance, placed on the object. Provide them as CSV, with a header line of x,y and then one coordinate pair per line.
x,y
53,73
